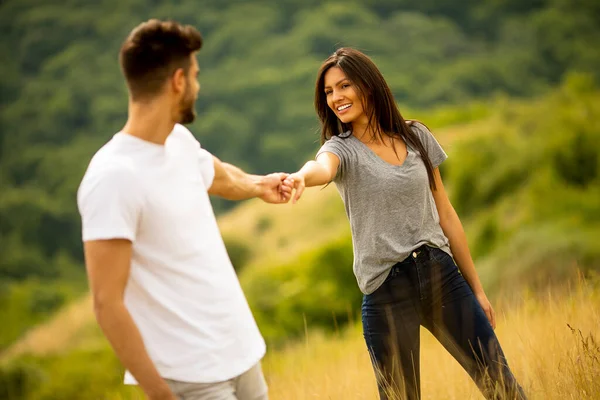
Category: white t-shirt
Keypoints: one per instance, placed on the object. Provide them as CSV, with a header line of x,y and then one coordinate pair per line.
x,y
182,293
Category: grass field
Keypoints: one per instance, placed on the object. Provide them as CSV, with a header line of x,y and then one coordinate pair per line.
x,y
552,343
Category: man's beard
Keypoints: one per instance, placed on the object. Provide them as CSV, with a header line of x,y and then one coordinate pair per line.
x,y
187,113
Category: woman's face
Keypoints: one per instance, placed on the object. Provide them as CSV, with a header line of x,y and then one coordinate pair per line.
x,y
343,98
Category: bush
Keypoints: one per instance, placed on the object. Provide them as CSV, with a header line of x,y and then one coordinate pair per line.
x,y
24,304
239,252
46,299
577,162
317,290
17,380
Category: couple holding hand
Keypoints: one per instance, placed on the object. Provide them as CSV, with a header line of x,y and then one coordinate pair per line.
x,y
165,293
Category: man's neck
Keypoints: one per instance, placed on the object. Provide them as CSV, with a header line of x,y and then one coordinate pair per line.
x,y
149,121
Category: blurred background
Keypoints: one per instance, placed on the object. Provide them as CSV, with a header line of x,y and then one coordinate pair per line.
x,y
509,87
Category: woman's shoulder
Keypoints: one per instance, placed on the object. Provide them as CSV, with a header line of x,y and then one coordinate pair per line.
x,y
339,140
418,126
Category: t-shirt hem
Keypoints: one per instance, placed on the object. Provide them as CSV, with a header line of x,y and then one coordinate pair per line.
x,y
107,236
186,374
368,288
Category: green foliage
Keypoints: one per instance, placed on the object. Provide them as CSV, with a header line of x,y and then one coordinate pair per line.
x,y
18,379
532,221
62,97
318,289
536,257
71,375
478,185
239,252
25,304
577,162
529,189
540,231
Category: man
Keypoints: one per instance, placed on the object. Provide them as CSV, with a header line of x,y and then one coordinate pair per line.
x,y
165,293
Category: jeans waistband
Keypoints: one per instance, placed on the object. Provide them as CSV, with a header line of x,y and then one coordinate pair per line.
x,y
422,252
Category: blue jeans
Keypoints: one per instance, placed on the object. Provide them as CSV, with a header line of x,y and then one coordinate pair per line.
x,y
427,289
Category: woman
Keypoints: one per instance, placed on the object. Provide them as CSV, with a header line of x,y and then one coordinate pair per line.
x,y
405,233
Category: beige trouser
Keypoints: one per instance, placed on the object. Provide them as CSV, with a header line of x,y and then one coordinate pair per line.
x,y
250,385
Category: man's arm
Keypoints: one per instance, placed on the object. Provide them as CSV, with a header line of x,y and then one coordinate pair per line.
x,y
232,183
108,263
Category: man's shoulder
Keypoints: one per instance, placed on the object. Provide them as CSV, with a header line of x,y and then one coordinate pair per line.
x,y
111,163
107,174
183,133
110,158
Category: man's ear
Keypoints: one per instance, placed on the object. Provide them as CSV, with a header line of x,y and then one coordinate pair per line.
x,y
178,81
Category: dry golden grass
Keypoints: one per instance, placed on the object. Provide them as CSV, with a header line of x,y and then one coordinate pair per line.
x,y
550,360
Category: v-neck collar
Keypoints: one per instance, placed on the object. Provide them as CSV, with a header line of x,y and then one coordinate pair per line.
x,y
374,155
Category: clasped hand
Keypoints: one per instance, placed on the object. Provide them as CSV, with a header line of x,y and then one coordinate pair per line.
x,y
278,188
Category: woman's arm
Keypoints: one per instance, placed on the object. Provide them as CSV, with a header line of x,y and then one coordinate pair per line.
x,y
453,229
315,173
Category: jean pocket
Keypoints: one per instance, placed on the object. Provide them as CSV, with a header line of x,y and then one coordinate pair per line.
x,y
441,256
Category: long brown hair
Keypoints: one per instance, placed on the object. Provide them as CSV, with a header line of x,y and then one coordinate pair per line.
x,y
381,109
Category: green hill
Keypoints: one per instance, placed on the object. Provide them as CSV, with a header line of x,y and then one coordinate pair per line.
x,y
521,177
62,96
525,179
510,88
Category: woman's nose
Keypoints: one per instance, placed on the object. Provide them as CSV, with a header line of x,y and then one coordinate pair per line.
x,y
337,96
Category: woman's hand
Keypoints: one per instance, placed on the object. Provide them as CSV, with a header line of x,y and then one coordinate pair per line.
x,y
487,308
298,184
275,190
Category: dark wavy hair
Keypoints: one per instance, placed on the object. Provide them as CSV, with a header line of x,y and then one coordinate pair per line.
x,y
383,114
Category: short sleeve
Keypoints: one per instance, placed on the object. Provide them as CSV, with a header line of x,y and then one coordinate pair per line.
x,y
110,204
207,167
437,155
205,159
336,146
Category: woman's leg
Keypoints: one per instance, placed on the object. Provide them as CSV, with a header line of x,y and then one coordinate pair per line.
x,y
457,320
391,321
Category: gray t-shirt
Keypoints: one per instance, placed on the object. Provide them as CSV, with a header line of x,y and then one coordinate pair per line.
x,y
391,208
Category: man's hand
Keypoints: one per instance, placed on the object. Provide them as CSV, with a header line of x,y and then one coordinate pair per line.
x,y
277,189
166,394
